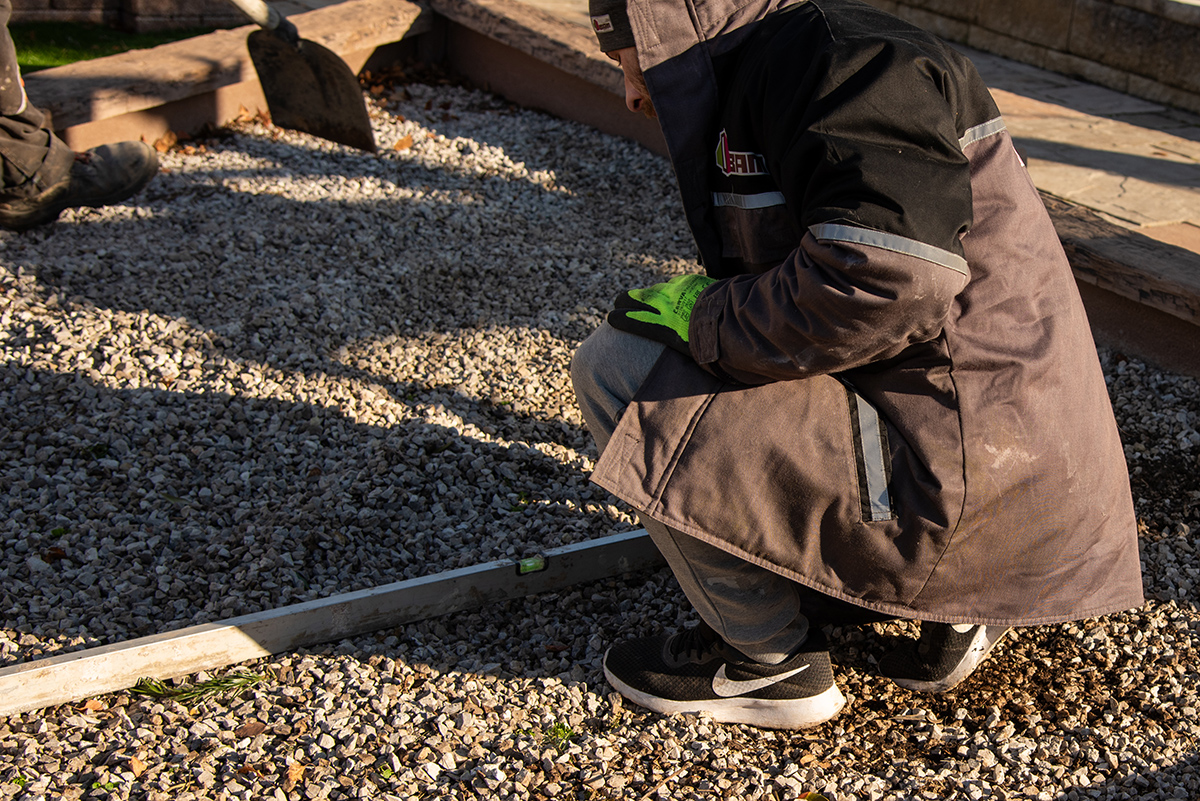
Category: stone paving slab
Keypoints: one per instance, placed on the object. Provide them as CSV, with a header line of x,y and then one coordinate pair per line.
x,y
1133,175
1134,162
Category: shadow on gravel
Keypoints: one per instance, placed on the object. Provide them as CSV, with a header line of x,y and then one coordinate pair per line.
x,y
290,283
284,502
139,510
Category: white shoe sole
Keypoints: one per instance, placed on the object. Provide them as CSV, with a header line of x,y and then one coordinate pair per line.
x,y
800,713
980,647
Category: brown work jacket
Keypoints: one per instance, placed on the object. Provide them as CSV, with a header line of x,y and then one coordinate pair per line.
x,y
899,401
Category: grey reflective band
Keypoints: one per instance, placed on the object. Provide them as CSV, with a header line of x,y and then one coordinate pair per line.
x,y
892,242
973,135
759,201
877,505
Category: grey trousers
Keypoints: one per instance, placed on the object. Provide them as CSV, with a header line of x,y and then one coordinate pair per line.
x,y
756,611
763,614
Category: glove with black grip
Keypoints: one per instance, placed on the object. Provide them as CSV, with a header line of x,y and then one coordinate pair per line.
x,y
660,312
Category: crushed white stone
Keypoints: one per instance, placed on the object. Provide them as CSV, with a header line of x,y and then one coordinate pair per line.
x,y
289,370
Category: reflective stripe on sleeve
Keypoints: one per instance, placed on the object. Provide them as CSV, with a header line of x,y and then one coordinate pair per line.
x,y
983,131
831,232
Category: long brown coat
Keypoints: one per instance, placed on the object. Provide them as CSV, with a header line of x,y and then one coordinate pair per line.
x,y
901,404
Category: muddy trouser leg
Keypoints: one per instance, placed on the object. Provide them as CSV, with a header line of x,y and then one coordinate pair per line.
x,y
32,159
755,610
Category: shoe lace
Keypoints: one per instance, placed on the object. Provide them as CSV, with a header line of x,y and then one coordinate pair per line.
x,y
696,643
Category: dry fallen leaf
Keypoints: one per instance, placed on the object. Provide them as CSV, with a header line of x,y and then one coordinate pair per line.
x,y
92,705
53,555
244,114
136,766
295,775
403,144
166,141
251,728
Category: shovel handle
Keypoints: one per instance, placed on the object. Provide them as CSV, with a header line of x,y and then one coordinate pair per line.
x,y
268,18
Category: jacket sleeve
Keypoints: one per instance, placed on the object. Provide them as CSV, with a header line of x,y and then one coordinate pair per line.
x,y
869,163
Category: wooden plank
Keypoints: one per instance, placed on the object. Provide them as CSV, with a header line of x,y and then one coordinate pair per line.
x,y
1127,263
141,79
71,677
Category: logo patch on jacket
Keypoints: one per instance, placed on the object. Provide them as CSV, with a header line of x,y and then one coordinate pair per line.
x,y
734,162
602,24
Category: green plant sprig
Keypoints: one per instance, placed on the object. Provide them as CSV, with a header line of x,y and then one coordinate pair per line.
x,y
219,687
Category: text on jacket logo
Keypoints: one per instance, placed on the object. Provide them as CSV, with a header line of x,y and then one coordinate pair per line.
x,y
733,162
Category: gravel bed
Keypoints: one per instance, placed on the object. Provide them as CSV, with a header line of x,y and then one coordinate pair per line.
x,y
290,370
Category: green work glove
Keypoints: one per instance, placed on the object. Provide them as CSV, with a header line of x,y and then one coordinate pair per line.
x,y
660,312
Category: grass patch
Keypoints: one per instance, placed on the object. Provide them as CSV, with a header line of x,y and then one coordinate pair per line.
x,y
51,44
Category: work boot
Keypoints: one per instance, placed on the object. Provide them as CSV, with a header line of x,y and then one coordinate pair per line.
x,y
99,177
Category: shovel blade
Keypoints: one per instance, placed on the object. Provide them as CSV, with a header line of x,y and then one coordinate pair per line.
x,y
309,88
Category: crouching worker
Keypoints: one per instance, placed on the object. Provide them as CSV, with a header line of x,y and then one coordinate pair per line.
x,y
882,400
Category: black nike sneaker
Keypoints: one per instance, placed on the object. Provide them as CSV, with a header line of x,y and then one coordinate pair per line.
x,y
696,671
941,658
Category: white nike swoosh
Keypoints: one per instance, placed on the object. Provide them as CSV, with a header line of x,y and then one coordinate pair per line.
x,y
729,688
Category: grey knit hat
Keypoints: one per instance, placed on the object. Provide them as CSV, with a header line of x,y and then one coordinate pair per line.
x,y
611,25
